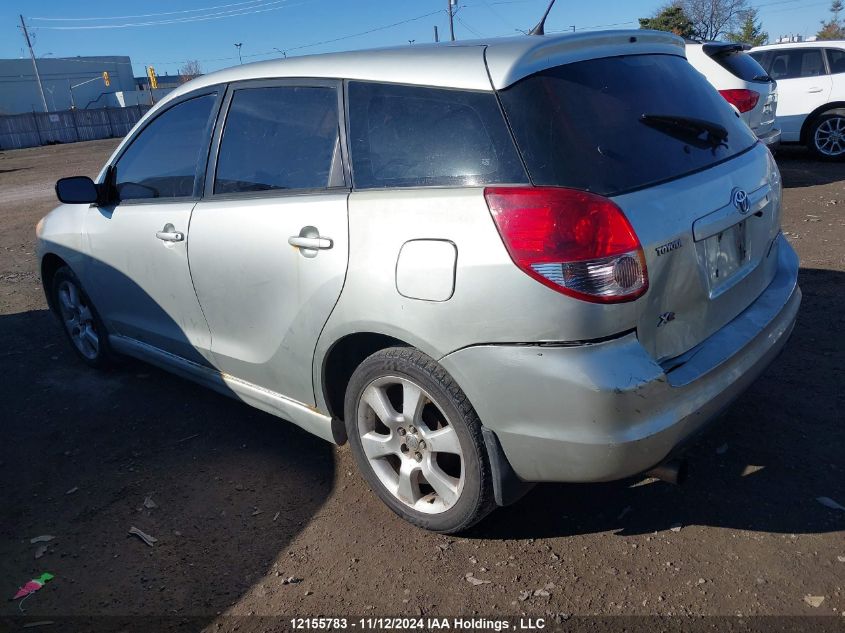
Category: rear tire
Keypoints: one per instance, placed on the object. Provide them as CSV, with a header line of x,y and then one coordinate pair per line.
x,y
80,321
826,136
428,464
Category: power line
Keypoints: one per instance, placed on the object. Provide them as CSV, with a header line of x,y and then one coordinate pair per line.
x,y
147,15
199,18
468,27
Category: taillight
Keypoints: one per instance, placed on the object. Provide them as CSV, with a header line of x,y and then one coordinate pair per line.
x,y
575,242
743,100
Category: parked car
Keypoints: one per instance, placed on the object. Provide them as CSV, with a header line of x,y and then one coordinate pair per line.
x,y
811,82
485,264
742,82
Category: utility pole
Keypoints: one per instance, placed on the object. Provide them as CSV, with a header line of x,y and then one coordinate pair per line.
x,y
436,34
34,64
451,20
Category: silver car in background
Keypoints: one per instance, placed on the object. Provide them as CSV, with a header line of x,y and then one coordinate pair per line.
x,y
486,264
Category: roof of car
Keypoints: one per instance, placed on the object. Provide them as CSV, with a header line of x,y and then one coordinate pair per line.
x,y
454,65
813,44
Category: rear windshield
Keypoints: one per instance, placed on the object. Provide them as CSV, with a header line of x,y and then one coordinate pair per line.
x,y
616,124
739,64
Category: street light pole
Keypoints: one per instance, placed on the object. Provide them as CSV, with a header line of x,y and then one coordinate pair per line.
x,y
34,64
238,46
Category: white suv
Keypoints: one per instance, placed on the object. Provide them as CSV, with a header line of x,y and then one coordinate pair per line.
x,y
742,82
811,82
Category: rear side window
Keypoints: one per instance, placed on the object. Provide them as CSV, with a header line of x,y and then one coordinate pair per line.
x,y
162,160
796,62
617,124
407,136
836,60
281,137
739,64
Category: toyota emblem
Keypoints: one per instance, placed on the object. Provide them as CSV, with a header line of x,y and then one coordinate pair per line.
x,y
740,200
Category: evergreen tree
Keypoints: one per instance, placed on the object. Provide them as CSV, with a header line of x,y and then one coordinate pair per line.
x,y
750,30
670,18
833,29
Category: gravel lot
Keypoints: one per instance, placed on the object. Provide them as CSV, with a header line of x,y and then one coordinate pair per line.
x,y
243,501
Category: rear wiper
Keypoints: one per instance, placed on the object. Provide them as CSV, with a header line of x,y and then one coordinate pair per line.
x,y
688,129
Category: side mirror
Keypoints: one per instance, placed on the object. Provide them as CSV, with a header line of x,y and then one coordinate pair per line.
x,y
77,190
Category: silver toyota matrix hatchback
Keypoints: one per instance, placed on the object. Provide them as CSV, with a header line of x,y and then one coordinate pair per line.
x,y
484,264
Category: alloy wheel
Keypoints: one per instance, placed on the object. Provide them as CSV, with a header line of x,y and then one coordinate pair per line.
x,y
410,444
78,319
830,137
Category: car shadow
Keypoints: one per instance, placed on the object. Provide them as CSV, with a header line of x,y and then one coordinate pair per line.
x,y
761,467
86,455
800,168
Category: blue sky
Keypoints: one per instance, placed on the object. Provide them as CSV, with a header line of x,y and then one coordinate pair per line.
x,y
173,32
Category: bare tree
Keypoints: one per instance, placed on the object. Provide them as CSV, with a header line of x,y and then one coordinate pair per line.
x,y
712,19
189,70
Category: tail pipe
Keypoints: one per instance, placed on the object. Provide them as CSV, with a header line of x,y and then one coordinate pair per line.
x,y
673,471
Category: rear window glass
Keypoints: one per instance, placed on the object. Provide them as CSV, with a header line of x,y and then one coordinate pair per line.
x,y
282,137
407,136
794,63
617,124
836,59
740,64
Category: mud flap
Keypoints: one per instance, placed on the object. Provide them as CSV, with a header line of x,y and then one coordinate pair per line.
x,y
508,488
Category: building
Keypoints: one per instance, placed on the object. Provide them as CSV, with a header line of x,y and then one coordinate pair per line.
x,y
19,89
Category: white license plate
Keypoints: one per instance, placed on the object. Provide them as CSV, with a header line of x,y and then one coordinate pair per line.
x,y
726,252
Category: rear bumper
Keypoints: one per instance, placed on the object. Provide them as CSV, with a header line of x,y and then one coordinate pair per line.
x,y
771,139
608,410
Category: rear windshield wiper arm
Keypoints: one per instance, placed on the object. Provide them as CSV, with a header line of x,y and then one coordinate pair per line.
x,y
688,128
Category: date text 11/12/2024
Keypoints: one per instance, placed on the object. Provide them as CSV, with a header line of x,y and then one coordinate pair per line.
x,y
418,623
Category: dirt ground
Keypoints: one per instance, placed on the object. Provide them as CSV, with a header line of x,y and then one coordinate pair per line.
x,y
244,501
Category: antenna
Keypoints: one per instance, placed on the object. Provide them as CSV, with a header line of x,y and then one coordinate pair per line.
x,y
540,29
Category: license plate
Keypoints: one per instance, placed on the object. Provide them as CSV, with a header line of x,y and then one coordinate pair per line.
x,y
726,252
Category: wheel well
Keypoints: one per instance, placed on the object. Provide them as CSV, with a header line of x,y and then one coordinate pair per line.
x,y
811,118
50,263
342,360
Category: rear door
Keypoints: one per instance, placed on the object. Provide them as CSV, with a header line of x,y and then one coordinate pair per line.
x,y
803,85
268,243
705,205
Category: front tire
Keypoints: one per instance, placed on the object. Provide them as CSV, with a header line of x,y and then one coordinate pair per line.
x,y
417,441
80,321
827,136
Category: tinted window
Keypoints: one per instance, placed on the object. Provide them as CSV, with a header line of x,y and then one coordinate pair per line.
x,y
581,125
836,60
409,136
739,64
278,138
162,161
796,62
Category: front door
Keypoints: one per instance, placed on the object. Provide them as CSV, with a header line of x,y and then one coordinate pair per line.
x,y
139,275
268,243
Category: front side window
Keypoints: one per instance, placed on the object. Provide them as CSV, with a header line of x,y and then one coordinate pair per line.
x,y
162,161
836,60
795,63
408,136
281,137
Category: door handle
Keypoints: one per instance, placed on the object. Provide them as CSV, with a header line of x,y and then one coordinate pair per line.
x,y
315,243
814,90
309,241
170,234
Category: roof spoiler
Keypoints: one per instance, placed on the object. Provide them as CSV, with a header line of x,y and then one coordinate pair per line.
x,y
720,48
